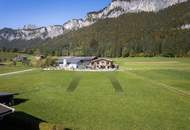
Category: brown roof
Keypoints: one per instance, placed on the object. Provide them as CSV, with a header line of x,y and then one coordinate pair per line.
x,y
5,110
102,59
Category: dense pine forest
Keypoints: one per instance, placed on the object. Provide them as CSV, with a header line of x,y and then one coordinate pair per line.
x,y
133,34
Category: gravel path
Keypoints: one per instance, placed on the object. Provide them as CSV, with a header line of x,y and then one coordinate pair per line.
x,y
16,72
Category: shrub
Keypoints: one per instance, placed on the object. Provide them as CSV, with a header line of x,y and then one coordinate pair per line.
x,y
168,54
46,126
49,61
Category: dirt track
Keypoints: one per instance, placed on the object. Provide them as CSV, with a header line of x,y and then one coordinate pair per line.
x,y
16,72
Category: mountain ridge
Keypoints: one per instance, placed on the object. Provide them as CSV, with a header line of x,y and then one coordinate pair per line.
x,y
115,9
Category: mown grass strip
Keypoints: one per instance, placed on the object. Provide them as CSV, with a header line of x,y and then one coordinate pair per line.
x,y
168,87
74,83
116,85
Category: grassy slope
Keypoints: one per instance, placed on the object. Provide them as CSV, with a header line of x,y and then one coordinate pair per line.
x,y
146,102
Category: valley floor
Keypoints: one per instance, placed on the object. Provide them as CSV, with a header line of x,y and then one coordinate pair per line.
x,y
147,93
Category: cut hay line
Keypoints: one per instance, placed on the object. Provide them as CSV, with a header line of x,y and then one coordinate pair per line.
x,y
16,72
168,87
159,62
116,85
74,83
128,69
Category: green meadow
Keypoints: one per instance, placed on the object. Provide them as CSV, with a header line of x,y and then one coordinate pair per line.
x,y
146,93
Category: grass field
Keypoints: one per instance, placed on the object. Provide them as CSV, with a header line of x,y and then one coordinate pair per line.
x,y
147,93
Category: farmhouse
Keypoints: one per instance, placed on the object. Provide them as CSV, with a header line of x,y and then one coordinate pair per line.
x,y
101,63
90,63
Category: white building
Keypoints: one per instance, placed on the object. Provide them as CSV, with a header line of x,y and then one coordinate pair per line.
x,y
74,62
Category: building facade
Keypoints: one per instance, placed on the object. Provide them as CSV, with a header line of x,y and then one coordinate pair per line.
x,y
90,63
102,63
74,62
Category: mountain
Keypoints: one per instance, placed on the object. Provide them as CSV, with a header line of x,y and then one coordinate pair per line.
x,y
29,27
115,9
120,7
132,34
29,33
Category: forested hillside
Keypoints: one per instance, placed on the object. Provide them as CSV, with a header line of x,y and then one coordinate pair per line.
x,y
132,34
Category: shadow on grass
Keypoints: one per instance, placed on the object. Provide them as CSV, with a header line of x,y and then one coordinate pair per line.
x,y
116,85
18,101
55,127
20,121
9,100
74,83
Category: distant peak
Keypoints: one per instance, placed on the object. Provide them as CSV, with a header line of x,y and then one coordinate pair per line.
x,y
29,26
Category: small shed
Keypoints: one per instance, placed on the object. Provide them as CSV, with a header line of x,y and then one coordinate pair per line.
x,y
20,58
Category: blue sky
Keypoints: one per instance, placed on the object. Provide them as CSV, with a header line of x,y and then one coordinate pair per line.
x,y
17,13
